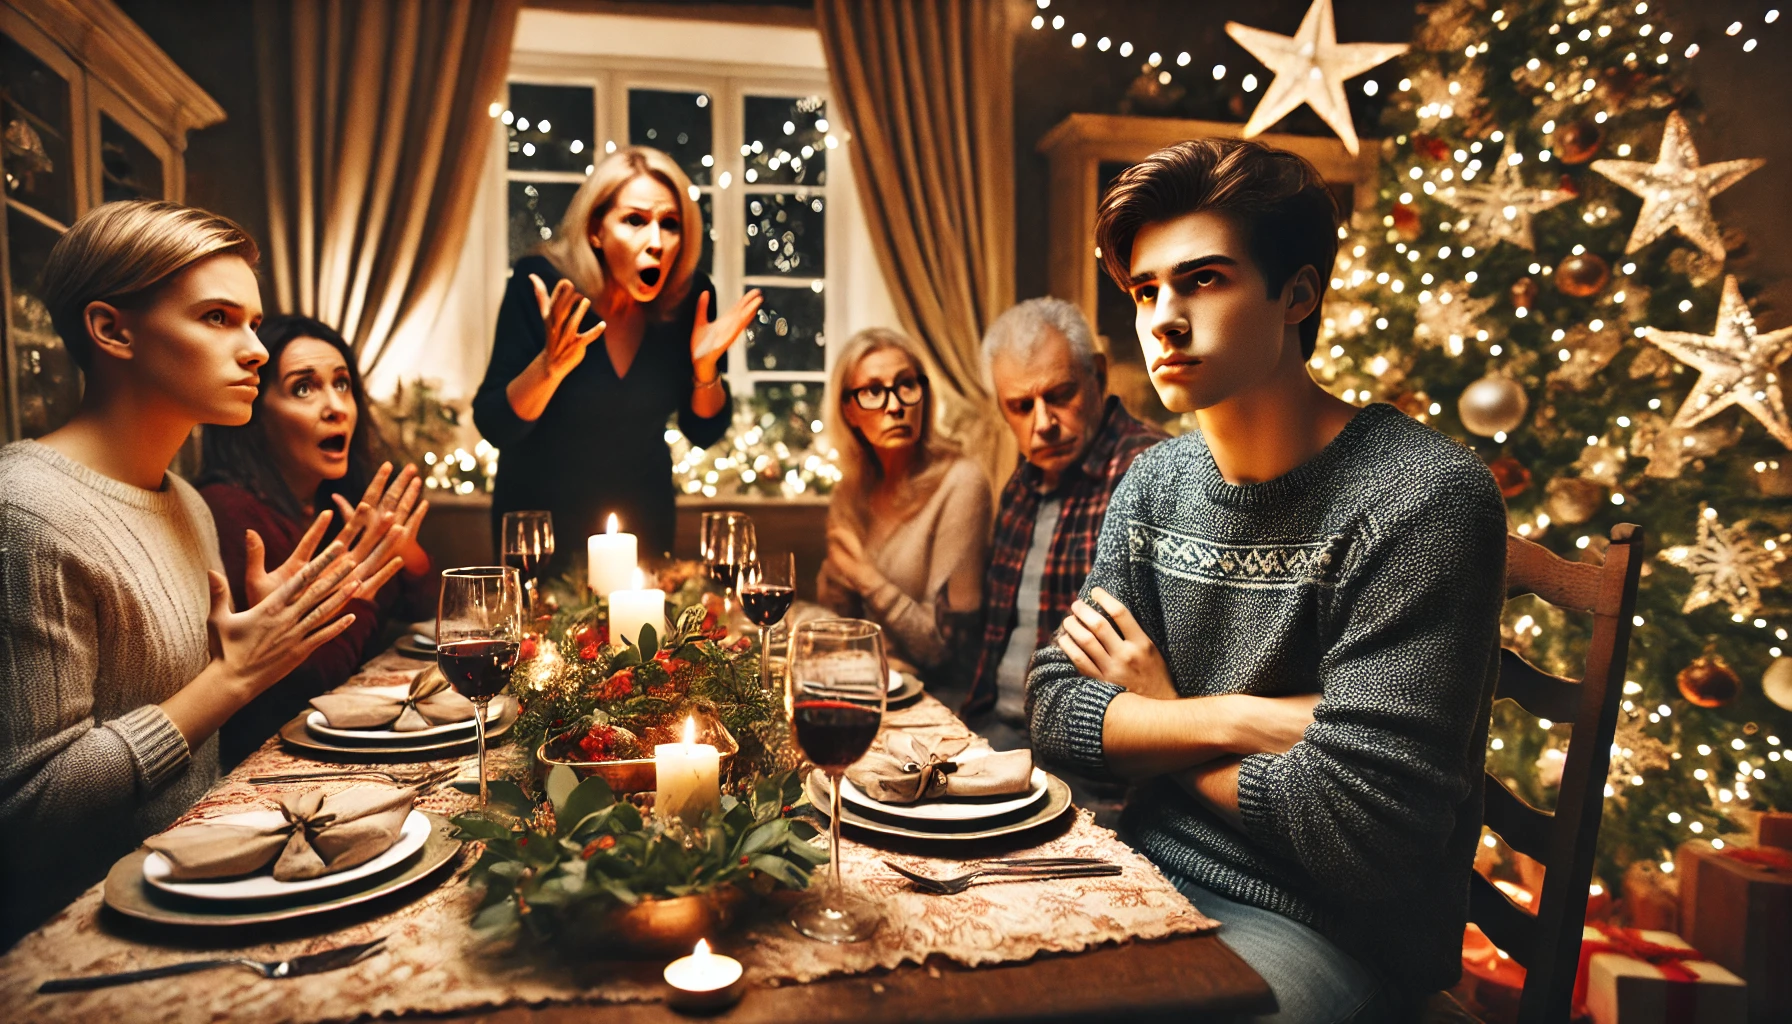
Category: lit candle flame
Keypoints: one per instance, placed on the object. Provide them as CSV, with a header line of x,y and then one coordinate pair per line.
x,y
690,729
702,948
610,525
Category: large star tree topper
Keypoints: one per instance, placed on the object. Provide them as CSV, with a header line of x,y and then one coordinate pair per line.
x,y
1310,67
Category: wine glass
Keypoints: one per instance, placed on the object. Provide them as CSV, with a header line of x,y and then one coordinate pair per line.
x,y
479,632
767,589
528,544
727,541
838,680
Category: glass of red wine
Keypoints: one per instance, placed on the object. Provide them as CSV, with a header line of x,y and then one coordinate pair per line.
x,y
528,539
767,589
838,680
479,631
727,542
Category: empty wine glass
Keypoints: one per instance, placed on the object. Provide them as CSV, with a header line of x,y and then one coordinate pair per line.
x,y
727,542
767,589
479,633
838,680
528,539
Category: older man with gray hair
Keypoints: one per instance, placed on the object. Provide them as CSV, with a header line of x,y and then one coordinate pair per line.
x,y
1076,442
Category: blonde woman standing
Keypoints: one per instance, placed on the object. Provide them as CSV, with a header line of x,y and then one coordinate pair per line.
x,y
602,335
908,529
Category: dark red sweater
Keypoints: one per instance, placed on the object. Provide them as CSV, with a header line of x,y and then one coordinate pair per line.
x,y
406,599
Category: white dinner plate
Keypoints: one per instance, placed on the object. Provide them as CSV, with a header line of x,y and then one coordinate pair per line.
x,y
895,680
316,722
261,885
946,810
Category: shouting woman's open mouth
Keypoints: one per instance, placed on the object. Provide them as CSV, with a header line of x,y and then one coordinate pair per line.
x,y
650,276
335,444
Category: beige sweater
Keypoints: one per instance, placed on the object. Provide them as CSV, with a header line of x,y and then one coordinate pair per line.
x,y
103,606
933,558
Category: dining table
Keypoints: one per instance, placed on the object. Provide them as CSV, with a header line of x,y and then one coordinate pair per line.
x,y
1128,946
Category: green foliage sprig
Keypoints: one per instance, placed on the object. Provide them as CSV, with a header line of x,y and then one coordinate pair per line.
x,y
584,853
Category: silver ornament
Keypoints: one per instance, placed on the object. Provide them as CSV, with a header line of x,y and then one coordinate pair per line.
x,y
1776,682
1492,405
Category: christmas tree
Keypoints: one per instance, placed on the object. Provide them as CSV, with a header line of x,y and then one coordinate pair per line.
x,y
1542,278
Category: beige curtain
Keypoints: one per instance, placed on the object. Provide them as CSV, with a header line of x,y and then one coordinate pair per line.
x,y
927,90
374,124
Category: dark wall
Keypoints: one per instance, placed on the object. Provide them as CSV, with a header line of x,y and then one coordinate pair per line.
x,y
214,43
1744,97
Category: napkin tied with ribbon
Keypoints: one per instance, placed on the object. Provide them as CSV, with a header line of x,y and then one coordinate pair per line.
x,y
909,768
321,834
429,702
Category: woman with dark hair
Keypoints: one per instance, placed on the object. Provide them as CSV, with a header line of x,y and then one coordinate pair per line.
x,y
308,445
622,271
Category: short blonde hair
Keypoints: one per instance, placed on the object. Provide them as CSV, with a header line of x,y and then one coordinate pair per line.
x,y
859,468
120,252
571,252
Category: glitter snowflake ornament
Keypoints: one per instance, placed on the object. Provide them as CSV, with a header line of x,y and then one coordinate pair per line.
x,y
1676,191
1451,317
1726,566
1310,67
1737,366
1501,210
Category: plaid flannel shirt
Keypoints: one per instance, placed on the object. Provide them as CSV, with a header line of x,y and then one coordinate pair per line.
x,y
1085,489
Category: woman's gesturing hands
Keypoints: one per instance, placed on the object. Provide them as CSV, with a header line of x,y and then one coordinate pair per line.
x,y
259,646
383,527
709,339
562,311
1124,656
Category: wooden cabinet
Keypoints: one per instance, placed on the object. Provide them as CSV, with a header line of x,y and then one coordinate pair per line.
x,y
92,111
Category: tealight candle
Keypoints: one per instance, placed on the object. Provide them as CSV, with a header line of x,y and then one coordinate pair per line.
x,y
632,609
686,778
612,556
703,980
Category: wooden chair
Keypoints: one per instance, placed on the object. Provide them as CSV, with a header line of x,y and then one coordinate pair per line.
x,y
1547,942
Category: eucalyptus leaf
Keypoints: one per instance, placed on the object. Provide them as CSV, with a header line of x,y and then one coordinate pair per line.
x,y
562,780
650,639
588,797
474,826
497,917
780,869
627,657
508,796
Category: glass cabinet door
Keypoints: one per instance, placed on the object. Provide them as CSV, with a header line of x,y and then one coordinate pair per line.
x,y
129,169
41,200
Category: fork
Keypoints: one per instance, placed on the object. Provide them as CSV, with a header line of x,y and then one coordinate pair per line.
x,y
1035,870
311,963
428,777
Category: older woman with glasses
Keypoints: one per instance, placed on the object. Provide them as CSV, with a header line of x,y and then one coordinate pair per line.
x,y
908,530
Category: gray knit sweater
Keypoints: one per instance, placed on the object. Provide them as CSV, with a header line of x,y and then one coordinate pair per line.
x,y
1373,575
103,606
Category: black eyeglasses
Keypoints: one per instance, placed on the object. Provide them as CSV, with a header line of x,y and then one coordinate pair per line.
x,y
872,397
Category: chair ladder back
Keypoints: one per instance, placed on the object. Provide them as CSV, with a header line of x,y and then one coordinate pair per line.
x,y
1547,942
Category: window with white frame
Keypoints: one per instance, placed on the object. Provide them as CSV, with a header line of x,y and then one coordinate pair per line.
x,y
757,149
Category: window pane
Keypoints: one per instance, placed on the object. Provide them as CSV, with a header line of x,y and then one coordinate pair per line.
x,y
677,123
706,203
788,332
551,127
49,385
786,140
129,170
35,110
790,408
786,234
535,209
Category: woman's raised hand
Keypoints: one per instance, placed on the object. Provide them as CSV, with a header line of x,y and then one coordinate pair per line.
x,y
259,646
711,338
382,527
562,311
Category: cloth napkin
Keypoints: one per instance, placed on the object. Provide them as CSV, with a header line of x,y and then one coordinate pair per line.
x,y
910,768
429,702
321,834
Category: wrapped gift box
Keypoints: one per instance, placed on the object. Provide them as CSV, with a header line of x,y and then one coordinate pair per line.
x,y
1774,828
1651,977
1736,906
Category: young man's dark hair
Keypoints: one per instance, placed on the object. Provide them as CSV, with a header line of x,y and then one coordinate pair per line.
x,y
1288,214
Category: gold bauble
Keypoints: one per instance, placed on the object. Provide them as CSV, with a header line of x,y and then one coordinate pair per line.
x,y
1492,405
1776,682
1571,501
1583,275
1709,681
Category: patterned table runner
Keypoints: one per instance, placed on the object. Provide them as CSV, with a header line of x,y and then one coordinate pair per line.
x,y
433,963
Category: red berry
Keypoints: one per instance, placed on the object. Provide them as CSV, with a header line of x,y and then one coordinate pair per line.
x,y
588,652
743,858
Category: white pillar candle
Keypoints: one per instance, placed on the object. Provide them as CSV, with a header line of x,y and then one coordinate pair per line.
x,y
612,556
632,609
687,778
703,980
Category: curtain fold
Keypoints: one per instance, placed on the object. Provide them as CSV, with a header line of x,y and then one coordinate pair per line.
x,y
374,117
926,87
